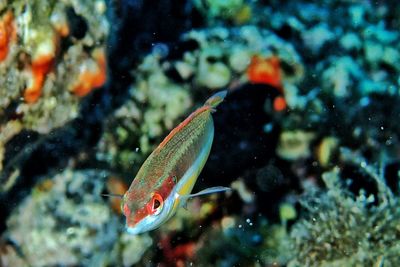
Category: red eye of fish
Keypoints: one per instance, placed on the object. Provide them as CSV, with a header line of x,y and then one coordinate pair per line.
x,y
155,204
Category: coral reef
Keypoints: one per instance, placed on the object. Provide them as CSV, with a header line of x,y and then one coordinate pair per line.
x,y
52,59
65,220
346,229
51,54
307,136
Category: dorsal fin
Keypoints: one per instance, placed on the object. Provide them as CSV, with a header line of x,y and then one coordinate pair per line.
x,y
216,99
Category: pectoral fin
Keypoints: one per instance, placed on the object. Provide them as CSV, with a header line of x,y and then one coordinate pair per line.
x,y
207,191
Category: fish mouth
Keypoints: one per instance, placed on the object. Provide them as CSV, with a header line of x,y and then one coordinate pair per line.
x,y
141,227
134,230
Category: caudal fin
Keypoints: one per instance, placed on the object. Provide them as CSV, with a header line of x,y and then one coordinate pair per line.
x,y
216,99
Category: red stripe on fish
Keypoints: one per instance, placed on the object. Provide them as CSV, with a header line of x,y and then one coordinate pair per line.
x,y
183,124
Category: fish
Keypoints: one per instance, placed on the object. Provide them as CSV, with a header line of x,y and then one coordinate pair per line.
x,y
165,180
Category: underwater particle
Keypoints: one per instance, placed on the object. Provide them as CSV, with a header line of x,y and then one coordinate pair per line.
x,y
325,150
7,34
265,71
295,144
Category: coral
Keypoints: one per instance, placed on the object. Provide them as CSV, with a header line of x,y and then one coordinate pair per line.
x,y
7,34
343,229
305,79
45,47
65,221
237,11
294,144
238,242
52,53
265,71
317,36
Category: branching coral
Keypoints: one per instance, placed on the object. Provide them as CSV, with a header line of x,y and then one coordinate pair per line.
x,y
341,229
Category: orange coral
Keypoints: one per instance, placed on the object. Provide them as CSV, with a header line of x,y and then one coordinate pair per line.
x,y
267,71
7,34
91,78
116,186
40,67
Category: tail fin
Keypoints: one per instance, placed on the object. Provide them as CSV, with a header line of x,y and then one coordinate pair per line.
x,y
216,99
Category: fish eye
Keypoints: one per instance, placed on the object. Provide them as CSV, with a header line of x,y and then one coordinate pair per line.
x,y
156,204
